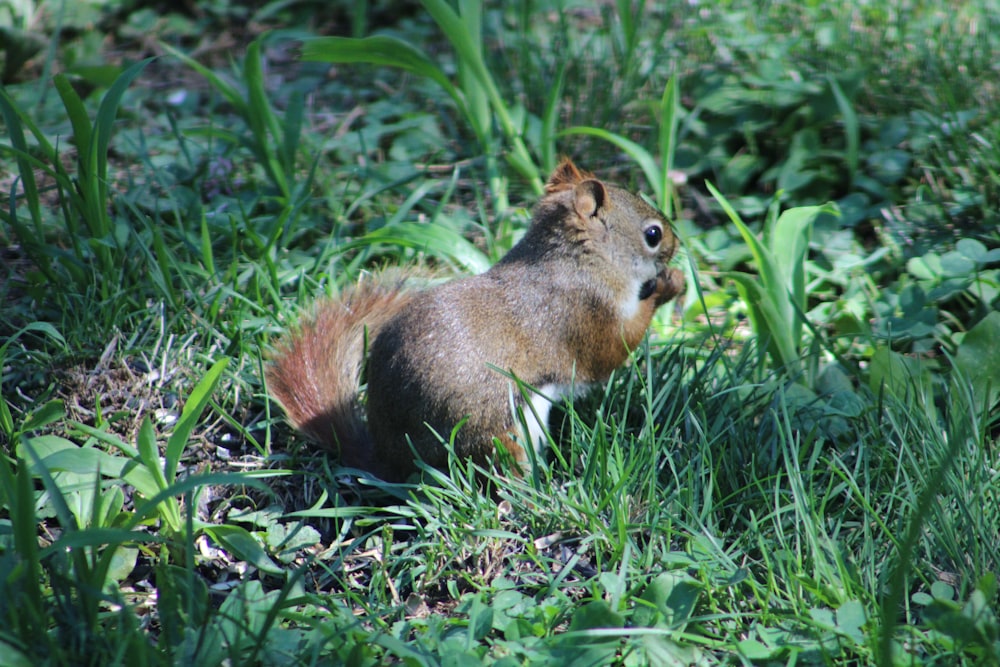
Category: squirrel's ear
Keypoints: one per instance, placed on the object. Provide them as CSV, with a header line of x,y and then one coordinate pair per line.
x,y
589,197
566,176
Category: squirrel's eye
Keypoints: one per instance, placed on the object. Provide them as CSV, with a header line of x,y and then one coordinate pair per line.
x,y
653,235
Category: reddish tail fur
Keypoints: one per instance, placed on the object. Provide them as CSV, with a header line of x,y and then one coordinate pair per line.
x,y
314,371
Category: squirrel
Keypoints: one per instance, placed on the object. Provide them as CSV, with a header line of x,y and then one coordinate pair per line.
x,y
561,310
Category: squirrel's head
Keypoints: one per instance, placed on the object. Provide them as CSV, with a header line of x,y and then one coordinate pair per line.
x,y
612,224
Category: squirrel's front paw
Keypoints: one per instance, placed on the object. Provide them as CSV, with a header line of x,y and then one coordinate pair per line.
x,y
669,284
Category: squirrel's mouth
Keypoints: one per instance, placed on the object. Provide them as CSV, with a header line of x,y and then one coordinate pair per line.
x,y
672,285
646,289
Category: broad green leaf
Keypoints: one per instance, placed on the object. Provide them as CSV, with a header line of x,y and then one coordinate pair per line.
x,y
51,412
955,264
595,615
973,249
925,267
942,591
898,374
241,544
121,563
14,657
770,277
674,595
85,461
291,537
850,620
44,446
789,240
978,357
769,320
751,649
107,506
143,480
778,300
250,609
480,622
58,501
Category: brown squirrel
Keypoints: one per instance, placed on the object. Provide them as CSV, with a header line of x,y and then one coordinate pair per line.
x,y
563,309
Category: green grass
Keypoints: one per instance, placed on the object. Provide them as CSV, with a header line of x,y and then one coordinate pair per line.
x,y
782,476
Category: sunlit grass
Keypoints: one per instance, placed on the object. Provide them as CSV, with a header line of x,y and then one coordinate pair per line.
x,y
832,503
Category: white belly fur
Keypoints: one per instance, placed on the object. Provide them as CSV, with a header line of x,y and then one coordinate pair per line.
x,y
630,306
536,415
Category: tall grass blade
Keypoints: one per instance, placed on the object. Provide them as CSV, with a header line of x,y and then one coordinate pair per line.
x,y
15,130
107,114
380,50
231,94
264,125
435,240
667,136
852,130
77,113
770,309
195,405
550,121
477,94
789,242
922,511
207,254
19,500
149,453
639,155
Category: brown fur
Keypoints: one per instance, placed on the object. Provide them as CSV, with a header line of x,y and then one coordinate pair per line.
x,y
559,308
314,372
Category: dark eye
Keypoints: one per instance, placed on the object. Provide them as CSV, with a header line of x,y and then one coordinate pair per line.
x,y
653,235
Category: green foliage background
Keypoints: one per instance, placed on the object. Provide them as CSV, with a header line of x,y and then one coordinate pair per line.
x,y
799,468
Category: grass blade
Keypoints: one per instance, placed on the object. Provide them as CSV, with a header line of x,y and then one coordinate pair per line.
x,y
228,91
15,130
550,121
190,416
851,127
264,125
149,453
640,155
380,50
669,120
436,240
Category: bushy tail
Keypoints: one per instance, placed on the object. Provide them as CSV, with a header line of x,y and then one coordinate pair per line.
x,y
314,369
